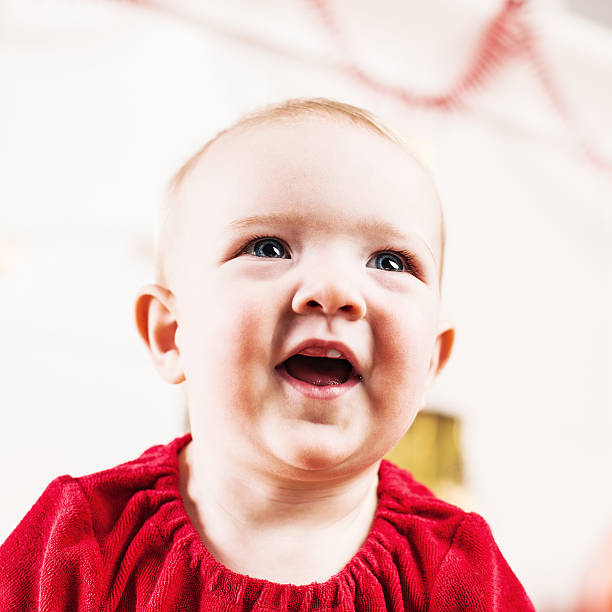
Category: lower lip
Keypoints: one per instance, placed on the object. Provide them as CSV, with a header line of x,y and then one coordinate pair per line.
x,y
323,392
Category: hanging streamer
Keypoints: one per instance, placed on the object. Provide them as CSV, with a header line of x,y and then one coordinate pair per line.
x,y
509,34
502,38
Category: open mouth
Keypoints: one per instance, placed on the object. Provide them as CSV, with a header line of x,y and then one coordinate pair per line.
x,y
318,371
321,370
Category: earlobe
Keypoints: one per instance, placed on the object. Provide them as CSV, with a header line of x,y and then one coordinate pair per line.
x,y
157,325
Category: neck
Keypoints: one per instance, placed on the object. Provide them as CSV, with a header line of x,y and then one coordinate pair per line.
x,y
257,523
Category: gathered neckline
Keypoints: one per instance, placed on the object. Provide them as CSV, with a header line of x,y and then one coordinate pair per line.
x,y
182,533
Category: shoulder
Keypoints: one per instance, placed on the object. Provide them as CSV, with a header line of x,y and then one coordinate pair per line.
x,y
408,503
52,544
416,513
73,540
61,503
449,553
83,499
134,490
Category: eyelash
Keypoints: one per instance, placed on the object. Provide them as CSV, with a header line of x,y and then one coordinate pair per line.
x,y
410,261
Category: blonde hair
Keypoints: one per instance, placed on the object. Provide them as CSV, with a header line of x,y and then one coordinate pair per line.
x,y
289,109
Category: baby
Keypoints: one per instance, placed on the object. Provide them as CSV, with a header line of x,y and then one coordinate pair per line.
x,y
298,299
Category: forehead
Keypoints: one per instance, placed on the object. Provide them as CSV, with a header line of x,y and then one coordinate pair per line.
x,y
333,175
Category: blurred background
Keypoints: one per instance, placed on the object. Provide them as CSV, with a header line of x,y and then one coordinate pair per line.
x,y
509,102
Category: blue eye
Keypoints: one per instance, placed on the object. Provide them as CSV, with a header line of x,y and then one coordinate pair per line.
x,y
387,261
268,247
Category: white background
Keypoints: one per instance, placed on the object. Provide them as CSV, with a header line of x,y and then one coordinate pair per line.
x,y
101,101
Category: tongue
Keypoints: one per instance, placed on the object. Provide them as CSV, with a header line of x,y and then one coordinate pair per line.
x,y
319,371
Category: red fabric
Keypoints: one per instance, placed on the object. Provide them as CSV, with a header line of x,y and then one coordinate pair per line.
x,y
121,540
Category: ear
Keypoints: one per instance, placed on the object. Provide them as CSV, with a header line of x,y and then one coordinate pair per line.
x,y
442,349
157,325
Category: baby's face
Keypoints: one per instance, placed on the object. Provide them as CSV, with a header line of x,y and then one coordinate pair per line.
x,y
306,277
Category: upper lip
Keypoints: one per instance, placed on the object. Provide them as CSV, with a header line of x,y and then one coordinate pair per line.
x,y
346,352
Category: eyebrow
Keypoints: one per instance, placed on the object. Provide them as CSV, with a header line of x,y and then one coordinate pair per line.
x,y
372,227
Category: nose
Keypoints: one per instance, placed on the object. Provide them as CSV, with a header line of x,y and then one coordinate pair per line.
x,y
331,297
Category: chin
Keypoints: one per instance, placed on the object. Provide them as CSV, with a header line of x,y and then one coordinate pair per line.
x,y
314,460
315,448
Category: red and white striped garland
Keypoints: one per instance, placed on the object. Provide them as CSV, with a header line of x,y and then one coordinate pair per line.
x,y
509,34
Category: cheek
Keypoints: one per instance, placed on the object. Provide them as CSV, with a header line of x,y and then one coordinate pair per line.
x,y
238,338
404,343
224,346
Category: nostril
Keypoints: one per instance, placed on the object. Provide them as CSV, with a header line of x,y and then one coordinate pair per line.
x,y
329,305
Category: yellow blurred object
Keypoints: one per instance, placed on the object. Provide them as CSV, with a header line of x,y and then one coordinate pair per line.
x,y
431,451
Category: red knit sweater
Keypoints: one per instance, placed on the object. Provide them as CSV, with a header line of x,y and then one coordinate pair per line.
x,y
121,540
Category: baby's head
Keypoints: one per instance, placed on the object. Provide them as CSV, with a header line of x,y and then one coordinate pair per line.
x,y
299,288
